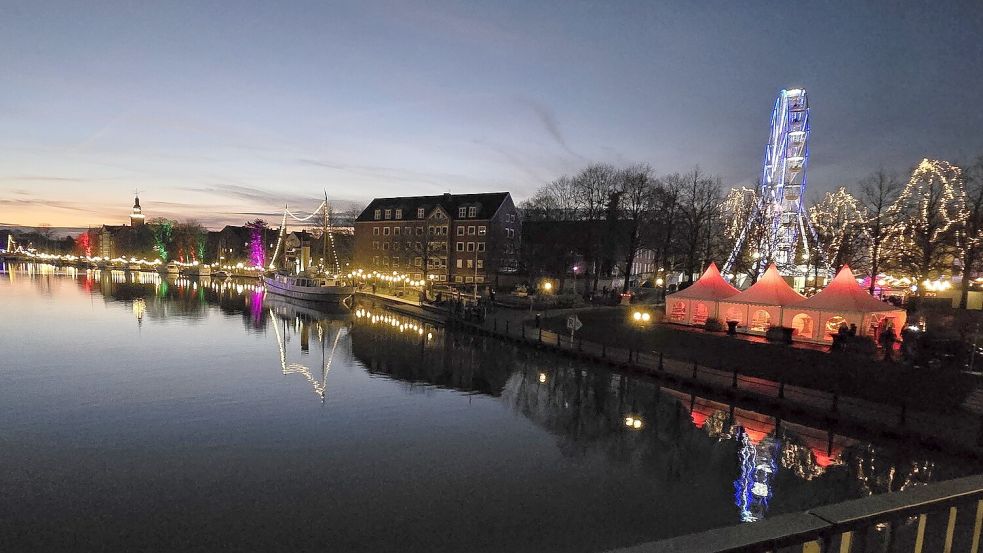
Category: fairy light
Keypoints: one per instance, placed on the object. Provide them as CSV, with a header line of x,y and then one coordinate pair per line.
x,y
838,217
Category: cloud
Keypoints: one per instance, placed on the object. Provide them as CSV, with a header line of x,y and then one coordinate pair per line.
x,y
552,127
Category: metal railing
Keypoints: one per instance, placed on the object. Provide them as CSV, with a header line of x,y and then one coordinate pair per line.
x,y
945,517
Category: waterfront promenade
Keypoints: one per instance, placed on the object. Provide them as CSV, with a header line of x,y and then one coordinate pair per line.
x,y
955,432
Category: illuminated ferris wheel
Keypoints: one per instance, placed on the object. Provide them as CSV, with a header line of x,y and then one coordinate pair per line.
x,y
782,187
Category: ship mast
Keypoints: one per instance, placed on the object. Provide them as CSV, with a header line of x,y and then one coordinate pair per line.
x,y
324,236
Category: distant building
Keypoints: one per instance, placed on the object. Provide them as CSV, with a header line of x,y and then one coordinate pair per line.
x,y
457,238
136,215
122,240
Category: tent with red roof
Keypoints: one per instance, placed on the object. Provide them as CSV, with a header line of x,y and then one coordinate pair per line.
x,y
762,305
700,301
843,301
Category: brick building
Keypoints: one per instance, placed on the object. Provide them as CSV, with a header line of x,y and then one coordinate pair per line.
x,y
457,238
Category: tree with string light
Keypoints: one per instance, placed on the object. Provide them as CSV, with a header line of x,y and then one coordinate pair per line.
x,y
971,231
838,220
878,193
927,217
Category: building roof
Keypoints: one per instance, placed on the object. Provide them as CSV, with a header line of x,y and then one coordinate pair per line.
x,y
487,204
843,294
771,289
710,286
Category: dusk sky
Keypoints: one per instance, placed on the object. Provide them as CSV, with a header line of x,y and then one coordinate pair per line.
x,y
220,110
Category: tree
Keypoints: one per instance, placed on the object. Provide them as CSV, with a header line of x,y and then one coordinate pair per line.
x,y
257,240
877,193
591,194
636,197
667,212
971,231
838,220
743,224
926,219
555,201
700,199
163,234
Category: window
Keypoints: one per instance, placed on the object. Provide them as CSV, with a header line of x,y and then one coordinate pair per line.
x,y
481,263
385,261
385,246
442,278
469,280
378,214
471,231
389,214
460,231
460,246
399,213
420,214
419,231
419,246
481,230
375,231
481,246
470,264
443,230
472,211
479,279
408,231
462,211
418,261
458,279
470,246
395,262
459,262
375,260
385,231
395,245
396,231
375,244
432,231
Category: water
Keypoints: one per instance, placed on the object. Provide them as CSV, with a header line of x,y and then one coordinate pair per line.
x,y
185,416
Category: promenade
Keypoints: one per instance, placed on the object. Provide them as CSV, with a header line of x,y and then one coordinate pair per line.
x,y
951,432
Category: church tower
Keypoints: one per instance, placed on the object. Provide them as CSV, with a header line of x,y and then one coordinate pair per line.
x,y
136,216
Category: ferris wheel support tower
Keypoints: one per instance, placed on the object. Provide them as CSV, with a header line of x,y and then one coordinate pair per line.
x,y
782,188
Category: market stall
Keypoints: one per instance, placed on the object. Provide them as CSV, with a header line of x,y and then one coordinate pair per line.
x,y
761,306
694,305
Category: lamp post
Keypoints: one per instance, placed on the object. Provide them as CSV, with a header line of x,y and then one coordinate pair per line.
x,y
548,288
639,320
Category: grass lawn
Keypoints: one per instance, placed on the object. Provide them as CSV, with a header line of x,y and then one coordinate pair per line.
x,y
846,373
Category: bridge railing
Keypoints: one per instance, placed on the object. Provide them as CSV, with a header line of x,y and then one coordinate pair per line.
x,y
944,517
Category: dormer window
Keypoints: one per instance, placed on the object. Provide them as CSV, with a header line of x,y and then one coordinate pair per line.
x,y
472,211
420,213
462,211
378,214
389,214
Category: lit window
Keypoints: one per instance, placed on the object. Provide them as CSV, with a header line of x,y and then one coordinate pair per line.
x,y
470,264
378,213
458,279
459,261
481,230
481,263
375,260
399,213
389,214
418,261
472,211
395,262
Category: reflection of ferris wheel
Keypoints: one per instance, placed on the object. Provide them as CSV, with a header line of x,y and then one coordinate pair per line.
x,y
783,183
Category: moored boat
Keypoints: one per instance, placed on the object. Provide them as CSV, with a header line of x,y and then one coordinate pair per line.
x,y
308,288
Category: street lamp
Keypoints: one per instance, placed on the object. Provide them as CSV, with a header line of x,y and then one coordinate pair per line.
x,y
640,320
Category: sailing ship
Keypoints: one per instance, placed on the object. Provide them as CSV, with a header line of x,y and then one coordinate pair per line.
x,y
314,285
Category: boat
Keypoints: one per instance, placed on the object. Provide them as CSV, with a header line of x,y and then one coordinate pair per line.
x,y
308,287
171,269
220,274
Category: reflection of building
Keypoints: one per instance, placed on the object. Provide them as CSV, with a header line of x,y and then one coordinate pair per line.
x,y
459,238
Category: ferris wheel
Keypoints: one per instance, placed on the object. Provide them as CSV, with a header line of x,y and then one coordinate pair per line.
x,y
782,187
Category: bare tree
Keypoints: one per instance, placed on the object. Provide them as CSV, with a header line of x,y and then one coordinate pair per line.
x,y
592,189
635,188
700,199
552,202
877,193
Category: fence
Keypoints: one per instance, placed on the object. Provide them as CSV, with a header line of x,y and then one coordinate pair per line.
x,y
945,516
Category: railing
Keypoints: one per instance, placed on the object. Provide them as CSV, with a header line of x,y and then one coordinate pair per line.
x,y
945,517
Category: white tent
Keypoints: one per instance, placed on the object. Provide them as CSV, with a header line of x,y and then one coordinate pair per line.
x,y
843,301
694,305
763,305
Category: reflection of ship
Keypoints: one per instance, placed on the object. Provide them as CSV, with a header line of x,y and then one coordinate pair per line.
x,y
306,321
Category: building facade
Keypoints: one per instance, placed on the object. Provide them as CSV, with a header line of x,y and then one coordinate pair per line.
x,y
455,238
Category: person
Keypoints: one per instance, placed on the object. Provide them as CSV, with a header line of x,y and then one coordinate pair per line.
x,y
887,341
538,320
491,295
853,329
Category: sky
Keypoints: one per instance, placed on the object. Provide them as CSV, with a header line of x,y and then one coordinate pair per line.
x,y
220,111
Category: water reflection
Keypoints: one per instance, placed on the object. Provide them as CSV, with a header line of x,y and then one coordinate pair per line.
x,y
664,462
